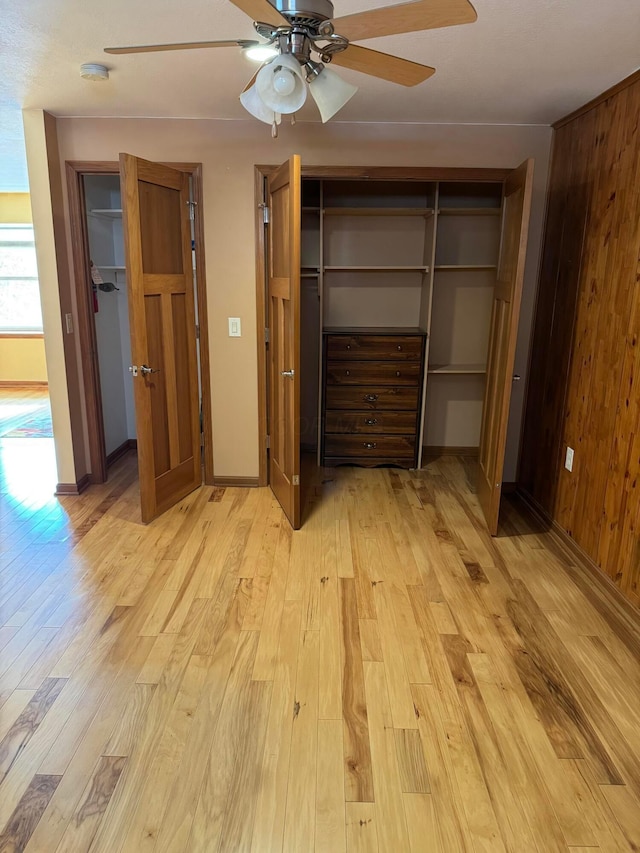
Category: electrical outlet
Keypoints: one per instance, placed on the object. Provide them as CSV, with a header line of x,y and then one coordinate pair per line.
x,y
235,329
568,461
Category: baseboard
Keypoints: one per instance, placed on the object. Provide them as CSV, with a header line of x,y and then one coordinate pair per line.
x,y
78,488
436,450
237,482
27,383
119,452
607,598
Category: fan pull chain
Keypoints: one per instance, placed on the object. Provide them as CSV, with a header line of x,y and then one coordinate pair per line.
x,y
293,119
274,130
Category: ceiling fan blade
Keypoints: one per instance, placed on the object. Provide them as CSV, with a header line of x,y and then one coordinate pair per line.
x,y
383,65
261,10
188,45
405,18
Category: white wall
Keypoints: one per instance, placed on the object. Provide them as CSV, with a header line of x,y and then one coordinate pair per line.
x,y
228,151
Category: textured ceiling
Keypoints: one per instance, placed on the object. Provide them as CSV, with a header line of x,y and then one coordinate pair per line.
x,y
523,61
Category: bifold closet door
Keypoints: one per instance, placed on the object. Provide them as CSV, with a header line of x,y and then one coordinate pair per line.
x,y
502,340
284,197
157,234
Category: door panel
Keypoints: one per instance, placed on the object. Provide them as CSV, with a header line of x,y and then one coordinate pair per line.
x,y
284,198
502,340
155,202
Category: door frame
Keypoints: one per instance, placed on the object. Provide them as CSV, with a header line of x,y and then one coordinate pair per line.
x,y
75,171
377,173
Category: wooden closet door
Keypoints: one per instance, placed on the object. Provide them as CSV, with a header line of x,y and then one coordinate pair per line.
x,y
502,340
163,331
284,194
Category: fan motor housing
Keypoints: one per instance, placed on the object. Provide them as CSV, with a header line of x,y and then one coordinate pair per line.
x,y
316,10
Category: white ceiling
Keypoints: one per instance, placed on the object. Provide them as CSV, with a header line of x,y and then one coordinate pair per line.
x,y
522,62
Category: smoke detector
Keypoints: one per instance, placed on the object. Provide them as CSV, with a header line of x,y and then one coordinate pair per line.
x,y
92,71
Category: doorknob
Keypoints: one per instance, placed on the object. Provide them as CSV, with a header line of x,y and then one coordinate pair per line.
x,y
145,370
288,373
516,377
133,369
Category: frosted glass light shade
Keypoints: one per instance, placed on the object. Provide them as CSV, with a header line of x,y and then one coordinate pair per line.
x,y
330,92
284,69
253,103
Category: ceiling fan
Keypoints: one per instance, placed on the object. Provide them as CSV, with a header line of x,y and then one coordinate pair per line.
x,y
291,30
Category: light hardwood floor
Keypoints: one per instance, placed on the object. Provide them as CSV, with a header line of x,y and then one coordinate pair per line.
x,y
386,679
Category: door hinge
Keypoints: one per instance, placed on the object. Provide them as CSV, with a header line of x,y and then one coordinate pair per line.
x,y
197,331
296,479
265,212
268,442
267,336
192,207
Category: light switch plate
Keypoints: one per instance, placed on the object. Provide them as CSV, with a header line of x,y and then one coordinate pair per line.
x,y
568,461
235,329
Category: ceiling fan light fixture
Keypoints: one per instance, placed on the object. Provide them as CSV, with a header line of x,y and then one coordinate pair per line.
x,y
260,52
281,85
330,92
253,103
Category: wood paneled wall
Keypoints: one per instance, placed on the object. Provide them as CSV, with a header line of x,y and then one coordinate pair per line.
x,y
584,387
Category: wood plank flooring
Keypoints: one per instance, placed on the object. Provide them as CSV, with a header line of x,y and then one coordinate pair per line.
x,y
386,679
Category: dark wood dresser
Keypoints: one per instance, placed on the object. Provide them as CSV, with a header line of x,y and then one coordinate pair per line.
x,y
372,396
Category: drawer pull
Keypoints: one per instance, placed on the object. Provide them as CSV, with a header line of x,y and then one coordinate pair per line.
x,y
370,398
348,346
399,348
397,373
370,445
347,373
371,421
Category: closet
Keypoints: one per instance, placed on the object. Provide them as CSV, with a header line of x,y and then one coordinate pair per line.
x,y
108,282
397,285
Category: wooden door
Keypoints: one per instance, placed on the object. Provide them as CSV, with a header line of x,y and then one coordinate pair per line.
x,y
156,224
284,199
502,340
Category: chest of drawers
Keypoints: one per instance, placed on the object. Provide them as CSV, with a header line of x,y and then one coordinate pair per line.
x,y
372,396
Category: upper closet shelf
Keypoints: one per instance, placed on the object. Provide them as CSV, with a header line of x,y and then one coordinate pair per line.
x,y
110,267
463,267
378,211
469,211
108,212
377,269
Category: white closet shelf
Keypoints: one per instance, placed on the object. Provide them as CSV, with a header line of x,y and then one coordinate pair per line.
x,y
309,274
378,211
108,212
469,211
463,267
458,368
109,267
423,269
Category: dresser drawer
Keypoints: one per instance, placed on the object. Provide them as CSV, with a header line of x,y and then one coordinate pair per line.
x,y
372,397
375,446
392,423
373,372
381,347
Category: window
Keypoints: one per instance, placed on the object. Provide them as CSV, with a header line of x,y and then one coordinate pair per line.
x,y
19,292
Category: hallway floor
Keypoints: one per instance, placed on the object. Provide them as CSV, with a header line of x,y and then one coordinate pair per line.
x,y
389,678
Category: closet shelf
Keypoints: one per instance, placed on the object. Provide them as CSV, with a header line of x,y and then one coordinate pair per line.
x,y
457,368
109,267
469,211
378,211
309,274
107,212
422,269
308,209
463,267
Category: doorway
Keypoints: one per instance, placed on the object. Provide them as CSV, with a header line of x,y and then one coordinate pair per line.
x,y
95,209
